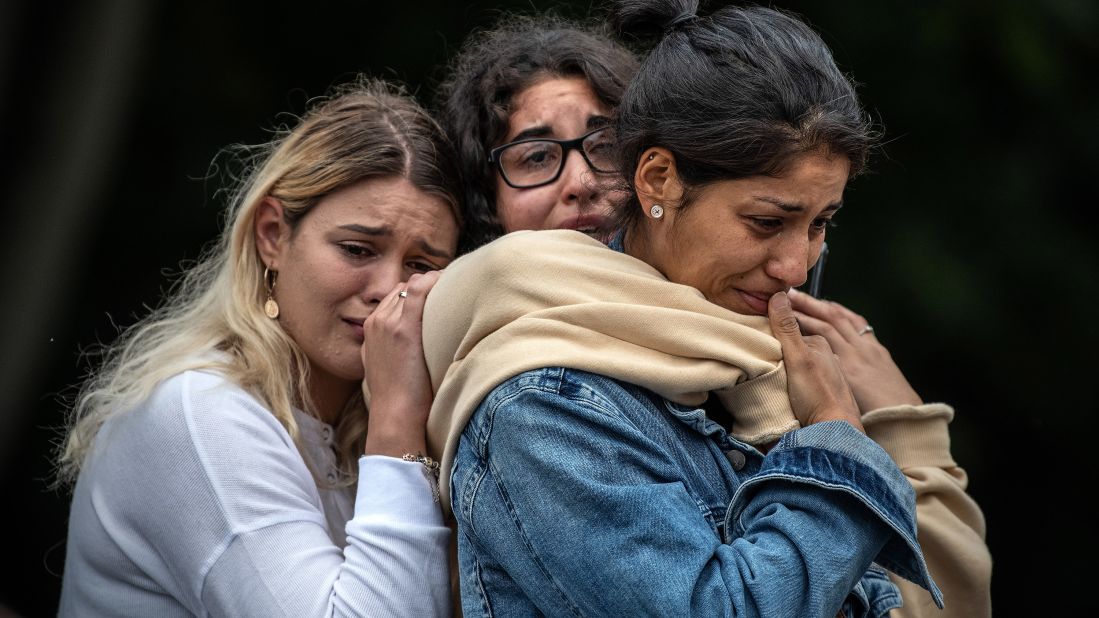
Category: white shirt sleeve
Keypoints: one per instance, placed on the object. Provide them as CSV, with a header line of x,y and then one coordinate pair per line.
x,y
395,563
199,502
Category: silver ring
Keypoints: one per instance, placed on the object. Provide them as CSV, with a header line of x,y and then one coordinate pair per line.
x,y
866,329
404,294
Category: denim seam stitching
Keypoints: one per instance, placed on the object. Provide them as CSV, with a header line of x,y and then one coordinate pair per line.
x,y
888,521
517,522
489,470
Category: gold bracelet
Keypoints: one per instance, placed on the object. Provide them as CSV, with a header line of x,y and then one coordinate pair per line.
x,y
431,471
429,463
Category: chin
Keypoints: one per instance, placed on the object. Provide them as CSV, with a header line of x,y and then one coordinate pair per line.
x,y
348,369
353,372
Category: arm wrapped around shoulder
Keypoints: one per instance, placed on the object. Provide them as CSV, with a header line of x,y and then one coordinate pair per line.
x,y
950,523
558,298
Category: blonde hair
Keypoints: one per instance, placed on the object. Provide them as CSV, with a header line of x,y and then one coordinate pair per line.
x,y
213,317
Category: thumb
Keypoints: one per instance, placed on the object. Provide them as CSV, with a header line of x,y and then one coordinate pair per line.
x,y
783,322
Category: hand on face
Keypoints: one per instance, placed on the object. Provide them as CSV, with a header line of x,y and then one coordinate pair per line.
x,y
875,379
739,240
818,390
395,371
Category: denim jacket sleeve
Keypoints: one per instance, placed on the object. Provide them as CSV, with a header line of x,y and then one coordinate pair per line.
x,y
562,501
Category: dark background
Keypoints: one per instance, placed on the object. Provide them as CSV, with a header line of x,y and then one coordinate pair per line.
x,y
971,247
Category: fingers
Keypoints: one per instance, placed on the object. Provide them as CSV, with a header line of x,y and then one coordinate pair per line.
x,y
389,306
855,319
418,287
407,298
785,325
844,322
813,326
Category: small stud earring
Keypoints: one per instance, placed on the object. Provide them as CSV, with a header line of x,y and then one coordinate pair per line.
x,y
270,307
656,211
652,155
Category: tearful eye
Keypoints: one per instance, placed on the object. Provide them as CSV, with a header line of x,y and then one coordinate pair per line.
x,y
356,250
422,267
538,156
767,223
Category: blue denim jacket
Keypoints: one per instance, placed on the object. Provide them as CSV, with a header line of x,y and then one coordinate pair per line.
x,y
579,495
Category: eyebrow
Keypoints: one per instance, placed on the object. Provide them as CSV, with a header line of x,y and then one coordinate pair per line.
x,y
788,207
597,121
439,253
385,230
594,122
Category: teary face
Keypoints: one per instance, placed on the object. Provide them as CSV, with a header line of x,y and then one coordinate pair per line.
x,y
350,250
740,241
558,108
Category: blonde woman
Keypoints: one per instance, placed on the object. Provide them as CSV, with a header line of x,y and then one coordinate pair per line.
x,y
224,459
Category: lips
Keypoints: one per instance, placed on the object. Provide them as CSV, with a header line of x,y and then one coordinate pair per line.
x,y
592,224
756,301
356,326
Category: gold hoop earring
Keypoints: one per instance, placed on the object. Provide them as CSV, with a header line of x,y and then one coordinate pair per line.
x,y
656,211
270,307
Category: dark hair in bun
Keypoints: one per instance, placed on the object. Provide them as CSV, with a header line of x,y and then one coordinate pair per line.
x,y
740,92
646,20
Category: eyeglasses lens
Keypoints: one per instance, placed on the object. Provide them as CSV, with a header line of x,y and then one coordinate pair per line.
x,y
600,151
537,162
531,163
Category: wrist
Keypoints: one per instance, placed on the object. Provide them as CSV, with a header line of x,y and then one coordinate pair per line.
x,y
394,436
394,446
838,415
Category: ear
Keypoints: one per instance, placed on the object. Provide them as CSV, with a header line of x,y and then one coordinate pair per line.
x,y
272,232
656,180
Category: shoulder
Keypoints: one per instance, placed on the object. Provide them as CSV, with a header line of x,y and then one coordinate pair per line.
x,y
535,244
526,249
561,387
204,439
201,404
560,381
197,420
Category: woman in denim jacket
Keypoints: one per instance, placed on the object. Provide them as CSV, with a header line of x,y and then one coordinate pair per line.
x,y
579,493
490,101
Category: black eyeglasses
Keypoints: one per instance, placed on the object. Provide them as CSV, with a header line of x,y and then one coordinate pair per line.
x,y
530,163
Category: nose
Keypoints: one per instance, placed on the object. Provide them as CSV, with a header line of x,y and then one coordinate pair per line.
x,y
578,182
380,281
789,260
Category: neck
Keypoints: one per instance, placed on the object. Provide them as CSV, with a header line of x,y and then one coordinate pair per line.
x,y
329,395
636,244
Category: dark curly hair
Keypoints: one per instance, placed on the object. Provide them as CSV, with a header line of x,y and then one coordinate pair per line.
x,y
492,67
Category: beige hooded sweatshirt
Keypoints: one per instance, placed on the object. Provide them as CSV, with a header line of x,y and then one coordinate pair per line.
x,y
561,299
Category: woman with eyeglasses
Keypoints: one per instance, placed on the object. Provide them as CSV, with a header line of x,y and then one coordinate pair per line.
x,y
545,166
521,101
561,488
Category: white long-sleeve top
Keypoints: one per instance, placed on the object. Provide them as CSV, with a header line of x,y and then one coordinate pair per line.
x,y
199,503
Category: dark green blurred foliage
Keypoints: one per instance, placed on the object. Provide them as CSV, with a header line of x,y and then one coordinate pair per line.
x,y
969,246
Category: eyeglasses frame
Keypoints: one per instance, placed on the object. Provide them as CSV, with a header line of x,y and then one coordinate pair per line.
x,y
566,145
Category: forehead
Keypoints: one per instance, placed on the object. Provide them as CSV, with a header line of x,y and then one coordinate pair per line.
x,y
811,183
391,201
554,101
